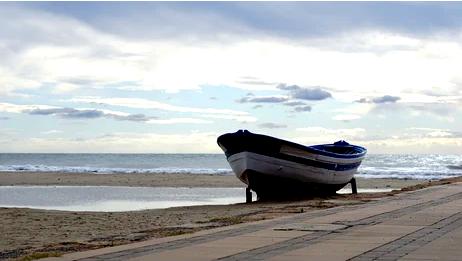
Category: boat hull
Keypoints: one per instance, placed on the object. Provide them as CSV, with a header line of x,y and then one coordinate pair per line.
x,y
276,168
273,178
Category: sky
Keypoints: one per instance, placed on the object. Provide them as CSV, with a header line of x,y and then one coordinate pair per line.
x,y
168,77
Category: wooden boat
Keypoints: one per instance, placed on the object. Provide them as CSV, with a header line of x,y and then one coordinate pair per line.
x,y
276,168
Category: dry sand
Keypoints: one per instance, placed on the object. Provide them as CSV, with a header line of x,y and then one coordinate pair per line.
x,y
26,231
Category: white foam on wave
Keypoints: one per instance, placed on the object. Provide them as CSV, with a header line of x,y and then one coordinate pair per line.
x,y
407,173
99,170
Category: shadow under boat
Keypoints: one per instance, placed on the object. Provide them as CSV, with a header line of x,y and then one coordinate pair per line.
x,y
277,169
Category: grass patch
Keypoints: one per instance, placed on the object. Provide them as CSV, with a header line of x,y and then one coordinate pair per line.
x,y
39,255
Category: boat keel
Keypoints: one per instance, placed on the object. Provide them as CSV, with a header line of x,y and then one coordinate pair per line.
x,y
278,188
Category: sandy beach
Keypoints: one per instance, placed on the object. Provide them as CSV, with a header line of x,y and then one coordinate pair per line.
x,y
156,180
26,231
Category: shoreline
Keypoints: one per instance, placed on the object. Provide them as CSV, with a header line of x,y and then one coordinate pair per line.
x,y
159,180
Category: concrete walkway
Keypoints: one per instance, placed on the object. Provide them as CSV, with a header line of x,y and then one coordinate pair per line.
x,y
420,225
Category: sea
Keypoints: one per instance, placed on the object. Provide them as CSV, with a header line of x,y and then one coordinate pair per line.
x,y
396,166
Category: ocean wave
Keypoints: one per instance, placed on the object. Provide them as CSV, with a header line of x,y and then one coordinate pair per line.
x,y
102,170
408,173
459,167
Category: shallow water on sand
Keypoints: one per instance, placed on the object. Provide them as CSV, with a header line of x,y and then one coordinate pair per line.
x,y
113,199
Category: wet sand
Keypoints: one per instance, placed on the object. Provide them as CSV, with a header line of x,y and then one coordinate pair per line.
x,y
26,231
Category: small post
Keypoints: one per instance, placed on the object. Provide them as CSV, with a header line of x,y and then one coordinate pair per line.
x,y
248,195
354,189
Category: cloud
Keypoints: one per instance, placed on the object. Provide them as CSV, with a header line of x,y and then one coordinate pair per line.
x,y
285,87
132,117
119,142
317,135
302,108
254,81
69,113
179,120
427,133
441,110
49,132
73,113
432,133
379,100
239,118
312,94
3,118
353,111
386,99
299,20
294,103
151,104
59,46
341,132
268,99
19,108
270,125
346,117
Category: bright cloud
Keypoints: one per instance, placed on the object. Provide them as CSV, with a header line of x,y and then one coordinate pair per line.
x,y
375,62
150,104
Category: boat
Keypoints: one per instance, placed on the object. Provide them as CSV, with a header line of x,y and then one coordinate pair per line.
x,y
274,168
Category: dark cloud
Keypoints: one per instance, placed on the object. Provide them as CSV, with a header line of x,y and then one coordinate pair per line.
x,y
302,93
71,113
281,19
294,103
302,108
2,118
269,99
270,125
311,94
132,117
286,87
258,106
68,113
382,99
386,99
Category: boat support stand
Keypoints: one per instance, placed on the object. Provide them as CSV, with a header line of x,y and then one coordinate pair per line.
x,y
248,195
354,189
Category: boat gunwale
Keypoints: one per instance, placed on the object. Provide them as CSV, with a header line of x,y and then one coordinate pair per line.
x,y
310,149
